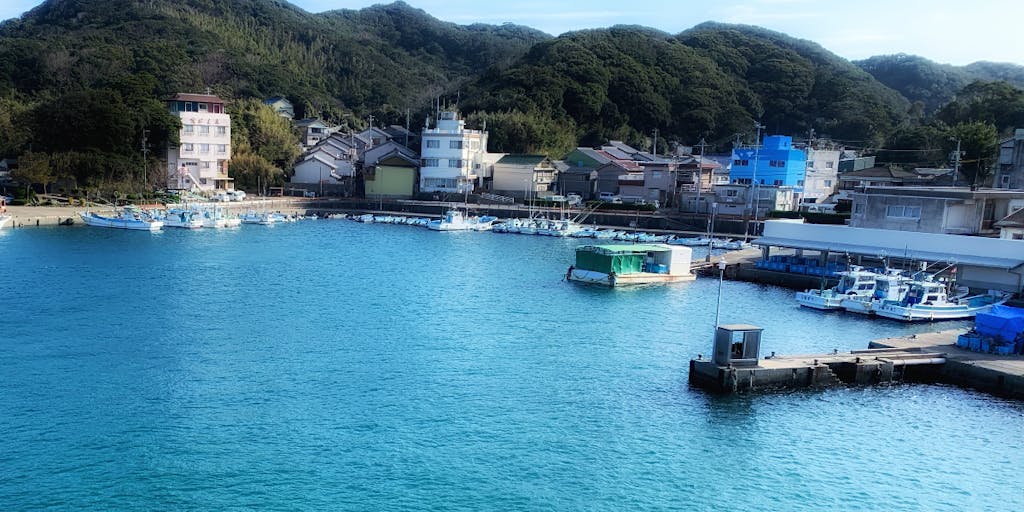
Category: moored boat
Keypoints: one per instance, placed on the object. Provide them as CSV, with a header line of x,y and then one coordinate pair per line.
x,y
126,218
5,219
928,301
853,284
619,265
889,287
182,218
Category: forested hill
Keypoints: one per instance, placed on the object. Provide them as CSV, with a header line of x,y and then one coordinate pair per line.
x,y
934,84
711,81
386,57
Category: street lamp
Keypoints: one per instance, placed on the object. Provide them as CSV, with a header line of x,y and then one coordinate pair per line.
x,y
721,279
754,200
711,227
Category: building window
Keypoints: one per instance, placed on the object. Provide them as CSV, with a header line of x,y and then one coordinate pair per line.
x,y
204,130
204,165
800,183
829,164
433,143
858,208
776,163
429,162
222,148
203,107
828,183
778,183
455,164
204,148
189,129
903,212
730,193
187,147
741,162
222,131
455,144
1018,236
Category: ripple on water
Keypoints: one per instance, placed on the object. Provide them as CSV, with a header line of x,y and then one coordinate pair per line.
x,y
337,365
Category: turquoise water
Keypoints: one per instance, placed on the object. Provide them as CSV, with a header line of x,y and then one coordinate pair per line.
x,y
334,365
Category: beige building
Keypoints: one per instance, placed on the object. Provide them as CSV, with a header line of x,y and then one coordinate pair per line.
x,y
200,160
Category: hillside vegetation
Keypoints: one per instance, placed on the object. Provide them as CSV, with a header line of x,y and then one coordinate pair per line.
x,y
81,83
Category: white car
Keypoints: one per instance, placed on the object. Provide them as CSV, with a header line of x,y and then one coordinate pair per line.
x,y
220,197
236,195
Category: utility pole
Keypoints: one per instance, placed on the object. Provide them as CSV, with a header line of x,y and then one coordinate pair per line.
x,y
956,160
700,172
145,160
754,200
654,151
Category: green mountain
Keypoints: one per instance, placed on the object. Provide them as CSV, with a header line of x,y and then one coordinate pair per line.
x,y
933,84
383,58
712,81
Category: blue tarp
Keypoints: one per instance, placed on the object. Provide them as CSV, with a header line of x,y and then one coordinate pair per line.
x,y
1002,322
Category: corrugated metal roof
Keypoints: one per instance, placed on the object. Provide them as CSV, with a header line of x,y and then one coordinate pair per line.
x,y
202,98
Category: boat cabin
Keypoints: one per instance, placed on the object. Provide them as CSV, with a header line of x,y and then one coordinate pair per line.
x,y
614,265
924,293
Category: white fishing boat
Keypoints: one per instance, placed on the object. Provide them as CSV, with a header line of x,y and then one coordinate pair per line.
x,y
182,218
217,217
889,287
125,218
618,265
855,283
697,241
5,219
254,217
928,301
453,220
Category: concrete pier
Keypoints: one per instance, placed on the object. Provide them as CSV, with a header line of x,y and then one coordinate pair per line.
x,y
930,357
858,367
996,374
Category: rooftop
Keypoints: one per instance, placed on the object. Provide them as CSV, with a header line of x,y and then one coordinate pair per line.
x,y
201,98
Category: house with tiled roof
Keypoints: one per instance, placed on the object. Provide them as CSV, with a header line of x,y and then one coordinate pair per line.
x,y
1011,227
281,105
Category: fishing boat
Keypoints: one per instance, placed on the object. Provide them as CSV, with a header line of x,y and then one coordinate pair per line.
x,y
126,218
254,217
855,283
928,301
216,217
5,219
453,220
889,287
697,241
182,218
620,265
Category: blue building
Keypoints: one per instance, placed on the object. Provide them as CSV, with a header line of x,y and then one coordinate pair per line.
x,y
778,164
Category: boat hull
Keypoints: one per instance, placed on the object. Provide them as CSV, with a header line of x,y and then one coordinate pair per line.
x,y
602,279
815,300
99,221
925,313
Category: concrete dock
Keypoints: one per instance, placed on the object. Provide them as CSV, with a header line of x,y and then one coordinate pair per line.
x,y
996,374
930,357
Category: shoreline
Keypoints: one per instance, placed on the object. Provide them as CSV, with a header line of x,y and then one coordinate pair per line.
x,y
48,216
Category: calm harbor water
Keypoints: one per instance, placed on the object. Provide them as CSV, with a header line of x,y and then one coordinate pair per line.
x,y
334,365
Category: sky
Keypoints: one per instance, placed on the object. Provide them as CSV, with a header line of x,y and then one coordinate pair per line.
x,y
948,31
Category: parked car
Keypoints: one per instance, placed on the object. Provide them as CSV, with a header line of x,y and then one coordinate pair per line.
x,y
609,197
221,197
236,195
573,199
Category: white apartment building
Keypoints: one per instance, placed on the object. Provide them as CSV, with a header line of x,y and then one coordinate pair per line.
x,y
821,179
453,159
200,161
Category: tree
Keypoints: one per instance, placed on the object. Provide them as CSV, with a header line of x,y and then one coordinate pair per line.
x,y
252,171
33,168
979,143
263,132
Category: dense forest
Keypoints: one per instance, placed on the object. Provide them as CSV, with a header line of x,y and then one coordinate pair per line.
x,y
81,84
